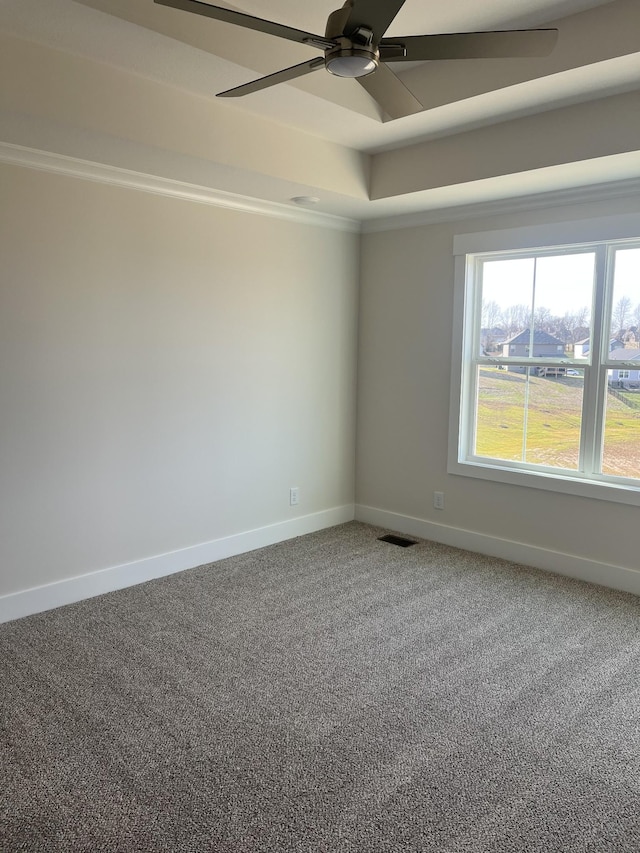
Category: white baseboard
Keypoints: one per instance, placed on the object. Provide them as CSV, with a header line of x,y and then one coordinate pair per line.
x,y
604,574
35,600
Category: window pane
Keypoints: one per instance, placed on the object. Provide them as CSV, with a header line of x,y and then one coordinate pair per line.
x,y
526,417
621,451
500,413
625,308
507,298
562,304
537,307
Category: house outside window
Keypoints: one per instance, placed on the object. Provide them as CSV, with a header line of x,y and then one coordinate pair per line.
x,y
629,378
543,410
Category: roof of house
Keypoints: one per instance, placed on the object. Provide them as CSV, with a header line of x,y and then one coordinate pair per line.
x,y
624,354
539,337
587,341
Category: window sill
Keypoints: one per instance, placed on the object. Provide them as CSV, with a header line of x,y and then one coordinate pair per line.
x,y
552,482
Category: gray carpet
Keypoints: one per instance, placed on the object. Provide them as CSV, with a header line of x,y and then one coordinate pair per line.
x,y
331,693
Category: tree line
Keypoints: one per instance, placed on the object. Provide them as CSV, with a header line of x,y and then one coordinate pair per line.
x,y
570,328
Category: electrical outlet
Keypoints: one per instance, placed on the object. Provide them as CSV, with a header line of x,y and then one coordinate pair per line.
x,y
294,495
438,500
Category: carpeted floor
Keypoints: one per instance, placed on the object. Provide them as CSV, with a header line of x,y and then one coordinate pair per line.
x,y
331,693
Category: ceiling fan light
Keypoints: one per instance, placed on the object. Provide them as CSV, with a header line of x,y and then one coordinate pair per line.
x,y
351,63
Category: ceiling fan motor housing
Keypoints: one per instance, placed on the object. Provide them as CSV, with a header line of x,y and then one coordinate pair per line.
x,y
354,55
347,59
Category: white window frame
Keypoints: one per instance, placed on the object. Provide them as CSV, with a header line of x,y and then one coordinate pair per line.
x,y
589,235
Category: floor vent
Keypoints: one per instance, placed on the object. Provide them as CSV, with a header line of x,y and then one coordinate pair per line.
x,y
396,540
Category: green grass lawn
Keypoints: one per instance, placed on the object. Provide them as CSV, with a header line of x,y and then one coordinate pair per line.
x,y
553,417
632,397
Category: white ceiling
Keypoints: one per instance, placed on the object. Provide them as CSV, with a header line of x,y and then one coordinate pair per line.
x,y
67,25
460,96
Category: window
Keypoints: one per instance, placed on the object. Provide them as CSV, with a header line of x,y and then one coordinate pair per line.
x,y
543,340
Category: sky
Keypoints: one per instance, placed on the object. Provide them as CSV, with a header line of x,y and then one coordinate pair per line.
x,y
563,283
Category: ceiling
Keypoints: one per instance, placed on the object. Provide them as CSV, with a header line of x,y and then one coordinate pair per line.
x,y
597,61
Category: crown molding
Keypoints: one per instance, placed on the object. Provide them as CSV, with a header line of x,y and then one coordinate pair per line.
x,y
77,167
555,198
62,164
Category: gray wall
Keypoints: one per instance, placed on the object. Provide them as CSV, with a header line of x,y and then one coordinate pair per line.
x,y
406,320
169,370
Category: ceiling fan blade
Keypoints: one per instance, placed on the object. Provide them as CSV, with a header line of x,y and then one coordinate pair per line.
x,y
389,91
231,17
273,79
491,45
376,15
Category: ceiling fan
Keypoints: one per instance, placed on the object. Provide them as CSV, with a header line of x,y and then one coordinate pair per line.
x,y
354,46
